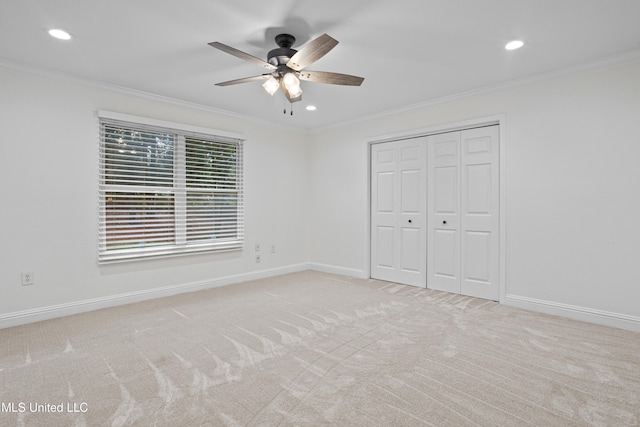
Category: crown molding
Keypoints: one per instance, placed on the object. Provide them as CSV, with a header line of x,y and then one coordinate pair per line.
x,y
621,58
135,93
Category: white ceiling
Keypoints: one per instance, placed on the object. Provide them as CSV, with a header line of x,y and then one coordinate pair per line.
x,y
408,51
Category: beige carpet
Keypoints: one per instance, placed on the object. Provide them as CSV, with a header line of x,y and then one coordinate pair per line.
x,y
313,349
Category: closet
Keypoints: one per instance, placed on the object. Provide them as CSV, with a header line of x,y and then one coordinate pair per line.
x,y
435,211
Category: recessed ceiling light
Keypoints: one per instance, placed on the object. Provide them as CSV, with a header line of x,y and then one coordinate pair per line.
x,y
311,108
513,45
60,34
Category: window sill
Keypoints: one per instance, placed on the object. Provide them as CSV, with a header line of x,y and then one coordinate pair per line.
x,y
115,256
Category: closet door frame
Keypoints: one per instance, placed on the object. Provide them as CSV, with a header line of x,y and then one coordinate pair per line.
x,y
500,120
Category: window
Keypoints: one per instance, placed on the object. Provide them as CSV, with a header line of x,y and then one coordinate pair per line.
x,y
167,189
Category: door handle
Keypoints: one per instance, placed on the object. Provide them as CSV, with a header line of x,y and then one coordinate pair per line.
x,y
444,222
410,221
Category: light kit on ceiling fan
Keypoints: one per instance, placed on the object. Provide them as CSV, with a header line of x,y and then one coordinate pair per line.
x,y
286,66
292,85
271,85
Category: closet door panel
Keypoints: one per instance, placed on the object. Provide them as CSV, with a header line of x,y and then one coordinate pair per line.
x,y
480,213
443,231
463,222
398,211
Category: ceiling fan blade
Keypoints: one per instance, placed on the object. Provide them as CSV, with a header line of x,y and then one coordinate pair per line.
x,y
244,80
311,52
242,55
330,78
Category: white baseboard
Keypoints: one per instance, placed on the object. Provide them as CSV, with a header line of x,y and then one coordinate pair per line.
x,y
76,307
334,269
607,318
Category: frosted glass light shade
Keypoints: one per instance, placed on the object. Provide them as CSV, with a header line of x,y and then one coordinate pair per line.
x,y
271,85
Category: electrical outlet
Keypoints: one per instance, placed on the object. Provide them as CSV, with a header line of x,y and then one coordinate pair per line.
x,y
257,259
273,249
27,278
257,247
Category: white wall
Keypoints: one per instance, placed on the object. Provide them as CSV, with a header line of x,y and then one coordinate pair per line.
x,y
48,193
572,176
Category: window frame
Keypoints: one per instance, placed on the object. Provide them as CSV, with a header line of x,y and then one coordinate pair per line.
x,y
179,189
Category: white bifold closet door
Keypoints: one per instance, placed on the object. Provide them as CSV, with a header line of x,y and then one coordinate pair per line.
x,y
463,212
398,211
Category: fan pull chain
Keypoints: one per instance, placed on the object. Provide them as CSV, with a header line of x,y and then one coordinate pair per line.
x,y
284,110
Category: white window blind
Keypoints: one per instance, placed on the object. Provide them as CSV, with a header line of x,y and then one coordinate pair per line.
x,y
167,191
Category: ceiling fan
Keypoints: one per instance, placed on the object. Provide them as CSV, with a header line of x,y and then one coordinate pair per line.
x,y
287,66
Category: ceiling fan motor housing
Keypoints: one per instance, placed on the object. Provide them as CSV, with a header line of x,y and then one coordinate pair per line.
x,y
281,55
